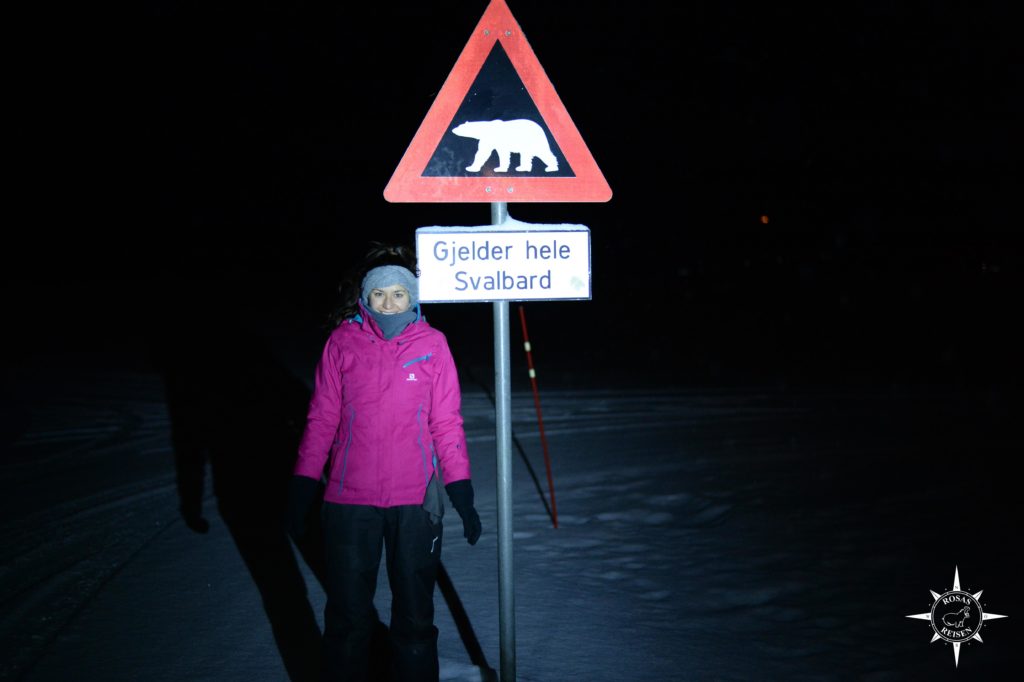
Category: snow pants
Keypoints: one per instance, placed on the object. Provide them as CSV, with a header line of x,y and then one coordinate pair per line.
x,y
354,537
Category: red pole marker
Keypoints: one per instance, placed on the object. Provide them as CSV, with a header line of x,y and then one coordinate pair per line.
x,y
540,419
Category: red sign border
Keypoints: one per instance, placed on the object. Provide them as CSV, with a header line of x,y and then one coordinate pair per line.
x,y
407,183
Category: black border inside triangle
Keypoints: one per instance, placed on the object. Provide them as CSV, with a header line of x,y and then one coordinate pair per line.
x,y
496,93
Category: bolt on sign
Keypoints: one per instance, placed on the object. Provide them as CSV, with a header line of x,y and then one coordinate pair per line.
x,y
497,131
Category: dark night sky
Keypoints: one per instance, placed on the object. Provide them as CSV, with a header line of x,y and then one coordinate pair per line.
x,y
251,143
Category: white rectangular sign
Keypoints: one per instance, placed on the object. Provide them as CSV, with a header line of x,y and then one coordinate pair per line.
x,y
514,261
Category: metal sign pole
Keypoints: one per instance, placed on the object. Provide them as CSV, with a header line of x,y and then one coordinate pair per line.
x,y
503,434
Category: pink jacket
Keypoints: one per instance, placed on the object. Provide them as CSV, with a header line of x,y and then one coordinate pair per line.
x,y
385,413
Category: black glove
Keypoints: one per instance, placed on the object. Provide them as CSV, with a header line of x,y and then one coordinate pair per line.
x,y
461,495
301,491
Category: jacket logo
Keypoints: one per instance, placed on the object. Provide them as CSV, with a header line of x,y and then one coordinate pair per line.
x,y
411,377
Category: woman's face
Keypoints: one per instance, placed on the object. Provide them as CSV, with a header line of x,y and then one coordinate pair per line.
x,y
390,300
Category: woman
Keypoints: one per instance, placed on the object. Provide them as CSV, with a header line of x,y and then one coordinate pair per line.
x,y
385,419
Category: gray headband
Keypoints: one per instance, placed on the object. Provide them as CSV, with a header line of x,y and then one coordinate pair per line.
x,y
390,275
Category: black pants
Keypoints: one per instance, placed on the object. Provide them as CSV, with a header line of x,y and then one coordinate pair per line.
x,y
355,536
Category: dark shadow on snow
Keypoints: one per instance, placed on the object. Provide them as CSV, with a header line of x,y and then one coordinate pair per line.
x,y
237,412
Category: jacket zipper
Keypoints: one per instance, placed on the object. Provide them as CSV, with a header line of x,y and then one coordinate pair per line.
x,y
421,358
348,444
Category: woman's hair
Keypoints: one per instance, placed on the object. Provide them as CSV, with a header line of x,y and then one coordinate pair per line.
x,y
349,290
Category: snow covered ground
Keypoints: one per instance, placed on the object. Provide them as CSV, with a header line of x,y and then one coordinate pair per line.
x,y
762,532
741,534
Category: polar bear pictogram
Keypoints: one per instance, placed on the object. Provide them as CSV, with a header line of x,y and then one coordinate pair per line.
x,y
956,619
520,136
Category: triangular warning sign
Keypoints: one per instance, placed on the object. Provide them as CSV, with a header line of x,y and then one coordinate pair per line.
x,y
497,131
